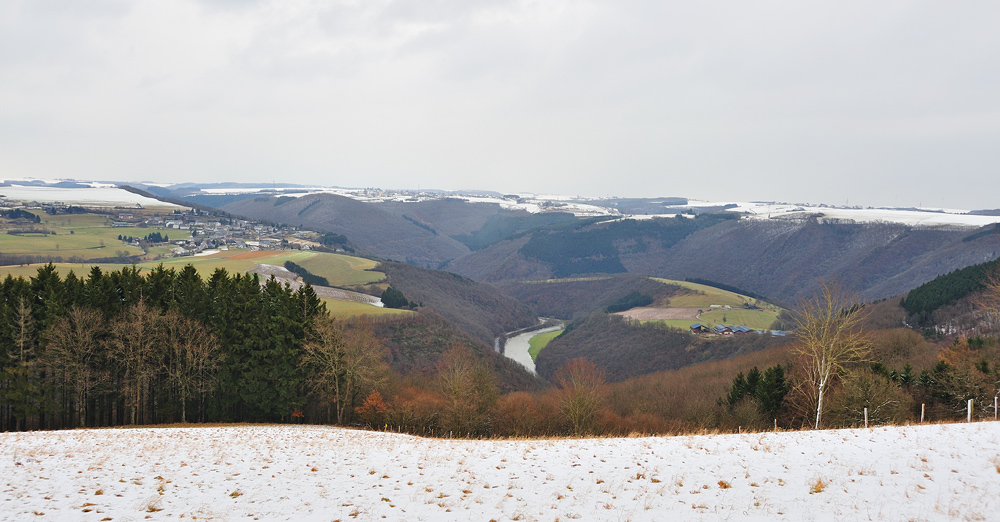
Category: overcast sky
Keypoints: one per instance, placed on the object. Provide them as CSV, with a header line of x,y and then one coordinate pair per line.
x,y
874,103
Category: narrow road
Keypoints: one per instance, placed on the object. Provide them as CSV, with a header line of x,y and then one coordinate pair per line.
x,y
517,347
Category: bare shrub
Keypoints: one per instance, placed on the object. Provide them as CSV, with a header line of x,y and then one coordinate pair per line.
x,y
581,384
862,388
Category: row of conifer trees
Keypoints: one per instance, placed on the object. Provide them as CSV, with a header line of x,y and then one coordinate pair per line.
x,y
127,347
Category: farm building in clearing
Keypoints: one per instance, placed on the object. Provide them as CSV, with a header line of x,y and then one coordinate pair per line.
x,y
722,329
698,328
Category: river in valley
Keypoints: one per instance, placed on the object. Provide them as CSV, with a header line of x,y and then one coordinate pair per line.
x,y
517,347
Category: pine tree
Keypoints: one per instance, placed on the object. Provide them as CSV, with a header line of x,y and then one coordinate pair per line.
x,y
771,391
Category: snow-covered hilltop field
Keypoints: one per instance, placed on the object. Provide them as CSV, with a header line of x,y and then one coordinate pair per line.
x,y
937,472
98,193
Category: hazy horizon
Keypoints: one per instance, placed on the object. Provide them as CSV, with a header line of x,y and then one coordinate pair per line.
x,y
888,104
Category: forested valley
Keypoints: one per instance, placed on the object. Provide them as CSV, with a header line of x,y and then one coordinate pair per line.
x,y
126,348
135,346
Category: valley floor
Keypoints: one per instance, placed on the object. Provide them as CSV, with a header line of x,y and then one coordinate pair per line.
x,y
936,472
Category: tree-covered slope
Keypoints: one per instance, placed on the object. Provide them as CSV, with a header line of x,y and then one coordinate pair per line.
x,y
921,302
478,309
417,343
786,260
575,298
625,350
374,230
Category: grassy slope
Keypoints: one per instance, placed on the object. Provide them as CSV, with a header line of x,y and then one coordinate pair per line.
x,y
706,296
339,269
344,309
536,343
577,297
78,235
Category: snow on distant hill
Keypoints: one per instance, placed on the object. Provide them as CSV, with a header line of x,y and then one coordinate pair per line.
x,y
97,195
926,217
936,472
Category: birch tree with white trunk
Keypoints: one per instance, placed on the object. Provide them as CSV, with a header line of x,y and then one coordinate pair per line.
x,y
830,333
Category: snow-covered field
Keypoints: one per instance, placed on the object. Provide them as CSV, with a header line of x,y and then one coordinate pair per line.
x,y
932,217
939,472
106,194
93,196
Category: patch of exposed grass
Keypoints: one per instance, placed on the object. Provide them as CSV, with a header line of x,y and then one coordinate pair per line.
x,y
536,343
345,309
704,296
818,486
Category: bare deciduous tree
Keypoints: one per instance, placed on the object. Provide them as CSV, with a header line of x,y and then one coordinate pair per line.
x,y
194,357
470,391
829,329
72,344
971,373
340,364
134,344
987,302
581,383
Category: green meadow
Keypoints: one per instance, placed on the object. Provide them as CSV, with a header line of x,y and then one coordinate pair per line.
x,y
85,236
345,309
706,296
536,343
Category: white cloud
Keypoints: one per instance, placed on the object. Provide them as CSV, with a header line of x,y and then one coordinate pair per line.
x,y
767,100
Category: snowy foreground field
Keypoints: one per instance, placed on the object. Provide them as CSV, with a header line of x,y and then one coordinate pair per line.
x,y
940,472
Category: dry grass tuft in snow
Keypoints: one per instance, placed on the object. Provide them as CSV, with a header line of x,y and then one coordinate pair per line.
x,y
938,472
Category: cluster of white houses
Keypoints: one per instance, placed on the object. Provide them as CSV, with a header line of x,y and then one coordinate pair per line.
x,y
210,234
234,233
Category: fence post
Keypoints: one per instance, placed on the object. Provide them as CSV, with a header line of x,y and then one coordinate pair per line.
x,y
969,419
866,417
775,424
994,407
922,405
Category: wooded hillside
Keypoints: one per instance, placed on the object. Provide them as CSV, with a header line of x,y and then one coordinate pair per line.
x,y
921,302
781,258
575,298
478,309
374,230
625,350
